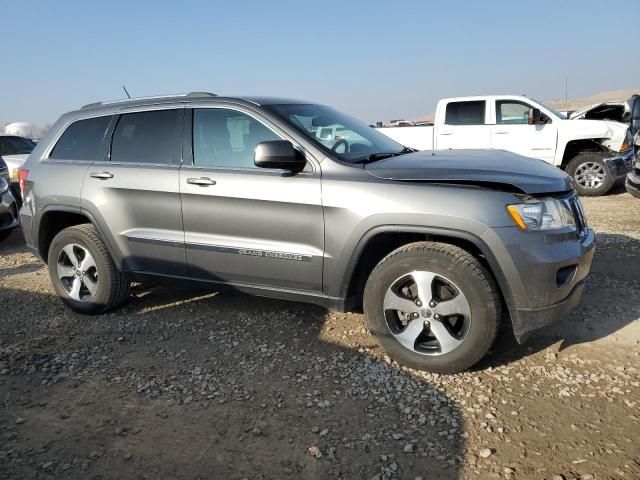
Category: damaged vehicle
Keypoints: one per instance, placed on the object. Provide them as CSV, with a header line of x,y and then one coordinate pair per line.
x,y
595,153
632,182
245,193
612,111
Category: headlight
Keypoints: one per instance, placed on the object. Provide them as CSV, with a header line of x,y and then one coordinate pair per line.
x,y
537,214
4,186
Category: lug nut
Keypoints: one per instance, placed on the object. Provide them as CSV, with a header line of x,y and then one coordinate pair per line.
x,y
418,303
436,317
432,303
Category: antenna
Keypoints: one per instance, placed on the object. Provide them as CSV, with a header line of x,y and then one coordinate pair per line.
x,y
125,91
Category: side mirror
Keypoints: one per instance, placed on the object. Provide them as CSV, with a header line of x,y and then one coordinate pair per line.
x,y
279,154
534,116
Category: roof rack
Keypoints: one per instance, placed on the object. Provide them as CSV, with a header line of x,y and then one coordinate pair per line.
x,y
190,95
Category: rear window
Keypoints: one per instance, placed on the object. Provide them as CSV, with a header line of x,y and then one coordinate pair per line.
x,y
145,137
81,140
465,113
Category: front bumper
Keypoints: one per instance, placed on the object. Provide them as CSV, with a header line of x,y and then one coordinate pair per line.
x,y
620,165
545,274
8,211
633,181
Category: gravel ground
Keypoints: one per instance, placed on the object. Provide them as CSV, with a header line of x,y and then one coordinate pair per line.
x,y
186,383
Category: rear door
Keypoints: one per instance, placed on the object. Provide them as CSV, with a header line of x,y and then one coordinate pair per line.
x,y
463,125
243,224
134,191
512,131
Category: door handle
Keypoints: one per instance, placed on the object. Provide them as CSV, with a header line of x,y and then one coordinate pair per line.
x,y
501,132
202,181
446,133
101,175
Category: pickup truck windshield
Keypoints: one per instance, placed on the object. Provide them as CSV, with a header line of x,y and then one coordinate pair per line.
x,y
343,136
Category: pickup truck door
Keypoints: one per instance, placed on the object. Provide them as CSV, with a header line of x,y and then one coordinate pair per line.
x,y
245,225
463,125
512,132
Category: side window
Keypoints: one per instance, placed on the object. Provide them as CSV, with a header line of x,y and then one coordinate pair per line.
x,y
465,113
81,140
145,137
226,138
510,112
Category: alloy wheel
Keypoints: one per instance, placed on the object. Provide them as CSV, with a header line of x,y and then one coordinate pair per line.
x,y
590,175
427,313
77,272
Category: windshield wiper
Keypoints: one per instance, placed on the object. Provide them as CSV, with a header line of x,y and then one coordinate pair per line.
x,y
374,157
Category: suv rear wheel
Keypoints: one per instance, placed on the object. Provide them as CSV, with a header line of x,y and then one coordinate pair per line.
x,y
432,306
83,273
590,174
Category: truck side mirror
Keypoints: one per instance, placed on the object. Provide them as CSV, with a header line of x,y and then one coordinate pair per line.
x,y
534,116
279,154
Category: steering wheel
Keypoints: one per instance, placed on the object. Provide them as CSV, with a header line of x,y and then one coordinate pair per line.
x,y
342,141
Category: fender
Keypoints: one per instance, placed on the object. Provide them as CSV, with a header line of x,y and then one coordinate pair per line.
x,y
494,265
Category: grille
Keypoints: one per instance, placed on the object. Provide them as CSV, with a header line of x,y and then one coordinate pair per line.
x,y
578,214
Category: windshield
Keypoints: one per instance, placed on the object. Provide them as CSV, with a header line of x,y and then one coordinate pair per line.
x,y
557,114
345,137
15,146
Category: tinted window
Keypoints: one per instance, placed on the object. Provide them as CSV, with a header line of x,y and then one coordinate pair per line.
x,y
512,113
227,138
15,146
81,140
145,137
465,113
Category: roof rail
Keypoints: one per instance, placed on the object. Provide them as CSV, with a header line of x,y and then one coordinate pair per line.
x,y
190,95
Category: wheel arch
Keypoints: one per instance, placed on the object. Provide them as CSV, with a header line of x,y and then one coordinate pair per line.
x,y
378,242
575,147
55,218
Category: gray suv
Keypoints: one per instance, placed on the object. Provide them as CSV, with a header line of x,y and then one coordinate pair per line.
x,y
295,200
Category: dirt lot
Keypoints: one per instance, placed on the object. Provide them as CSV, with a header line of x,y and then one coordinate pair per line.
x,y
185,383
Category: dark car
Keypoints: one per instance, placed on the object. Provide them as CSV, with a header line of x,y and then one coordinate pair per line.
x,y
8,207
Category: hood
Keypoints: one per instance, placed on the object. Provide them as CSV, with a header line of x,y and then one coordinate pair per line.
x,y
474,167
616,109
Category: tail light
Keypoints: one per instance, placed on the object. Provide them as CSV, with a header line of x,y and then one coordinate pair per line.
x,y
22,179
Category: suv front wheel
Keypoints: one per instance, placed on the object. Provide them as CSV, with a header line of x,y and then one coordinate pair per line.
x,y
83,273
432,306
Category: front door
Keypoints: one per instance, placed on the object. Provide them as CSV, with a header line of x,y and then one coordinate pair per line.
x,y
134,192
513,133
243,224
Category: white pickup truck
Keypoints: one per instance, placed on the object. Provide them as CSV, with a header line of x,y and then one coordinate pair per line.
x,y
593,152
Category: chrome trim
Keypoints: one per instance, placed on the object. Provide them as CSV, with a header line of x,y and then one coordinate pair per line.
x,y
250,252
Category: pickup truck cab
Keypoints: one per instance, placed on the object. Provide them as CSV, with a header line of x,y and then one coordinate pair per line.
x,y
593,152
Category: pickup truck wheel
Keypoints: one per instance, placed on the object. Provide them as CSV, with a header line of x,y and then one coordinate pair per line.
x,y
590,174
83,273
432,306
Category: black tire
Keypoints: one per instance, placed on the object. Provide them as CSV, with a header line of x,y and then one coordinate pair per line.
x,y
583,160
112,284
467,273
4,234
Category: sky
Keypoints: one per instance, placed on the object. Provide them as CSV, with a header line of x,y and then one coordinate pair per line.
x,y
377,60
